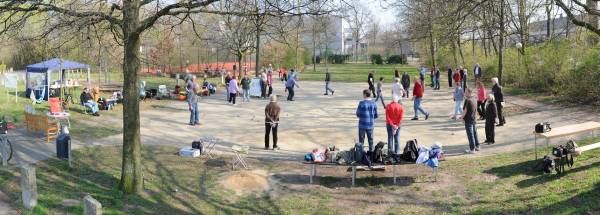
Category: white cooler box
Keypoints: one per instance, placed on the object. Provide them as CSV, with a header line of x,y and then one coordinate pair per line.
x,y
189,152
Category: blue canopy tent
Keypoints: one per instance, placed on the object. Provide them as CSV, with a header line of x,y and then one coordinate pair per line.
x,y
38,76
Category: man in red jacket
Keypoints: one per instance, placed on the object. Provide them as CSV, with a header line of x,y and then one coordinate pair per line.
x,y
393,118
417,97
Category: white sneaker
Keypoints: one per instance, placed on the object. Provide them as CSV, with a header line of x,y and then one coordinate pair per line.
x,y
469,151
477,148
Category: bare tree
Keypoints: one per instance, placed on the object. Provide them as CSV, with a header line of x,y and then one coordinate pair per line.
x,y
127,20
358,16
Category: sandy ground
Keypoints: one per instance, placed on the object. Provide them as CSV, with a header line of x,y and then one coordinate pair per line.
x,y
315,120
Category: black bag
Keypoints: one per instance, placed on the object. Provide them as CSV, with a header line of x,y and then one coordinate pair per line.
x,y
196,144
378,156
547,164
558,151
411,151
542,127
62,146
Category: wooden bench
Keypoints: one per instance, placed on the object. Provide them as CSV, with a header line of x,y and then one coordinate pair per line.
x,y
565,131
313,170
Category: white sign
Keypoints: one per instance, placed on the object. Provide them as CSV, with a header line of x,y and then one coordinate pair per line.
x,y
10,81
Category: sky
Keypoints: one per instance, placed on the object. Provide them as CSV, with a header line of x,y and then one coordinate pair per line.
x,y
384,16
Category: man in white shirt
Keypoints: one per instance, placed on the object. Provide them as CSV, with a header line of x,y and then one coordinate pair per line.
x,y
397,90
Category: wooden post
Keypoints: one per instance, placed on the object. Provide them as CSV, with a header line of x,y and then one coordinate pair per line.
x,y
28,186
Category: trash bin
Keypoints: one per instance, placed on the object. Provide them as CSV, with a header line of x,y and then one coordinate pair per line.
x,y
62,146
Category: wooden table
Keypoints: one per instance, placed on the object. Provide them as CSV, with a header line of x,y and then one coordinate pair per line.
x,y
566,131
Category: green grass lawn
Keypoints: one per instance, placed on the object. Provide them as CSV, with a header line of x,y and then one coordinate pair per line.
x,y
498,184
355,72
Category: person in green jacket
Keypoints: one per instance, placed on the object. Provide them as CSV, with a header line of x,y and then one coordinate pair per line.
x,y
246,88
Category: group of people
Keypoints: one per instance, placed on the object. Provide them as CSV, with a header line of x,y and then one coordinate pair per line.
x,y
489,106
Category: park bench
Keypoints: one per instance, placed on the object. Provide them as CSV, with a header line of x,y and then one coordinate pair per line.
x,y
359,167
564,131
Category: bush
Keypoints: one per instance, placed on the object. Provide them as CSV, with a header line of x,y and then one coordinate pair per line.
x,y
376,59
338,58
397,59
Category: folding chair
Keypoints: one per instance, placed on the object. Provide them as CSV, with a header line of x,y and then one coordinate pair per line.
x,y
208,143
240,153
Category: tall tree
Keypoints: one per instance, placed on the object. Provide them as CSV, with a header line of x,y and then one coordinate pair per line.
x,y
128,20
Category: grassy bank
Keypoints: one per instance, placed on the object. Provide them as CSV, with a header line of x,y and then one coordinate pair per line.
x,y
499,184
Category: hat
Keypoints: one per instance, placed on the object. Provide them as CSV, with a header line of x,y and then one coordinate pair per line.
x,y
436,145
273,98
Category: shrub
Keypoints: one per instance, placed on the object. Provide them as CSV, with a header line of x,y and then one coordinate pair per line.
x,y
338,58
397,59
376,59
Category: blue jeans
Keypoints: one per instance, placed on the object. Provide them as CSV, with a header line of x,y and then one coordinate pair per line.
x,y
380,97
458,108
361,138
417,106
393,140
246,95
472,135
194,114
327,88
92,105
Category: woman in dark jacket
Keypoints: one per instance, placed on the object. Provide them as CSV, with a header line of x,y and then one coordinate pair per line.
x,y
490,119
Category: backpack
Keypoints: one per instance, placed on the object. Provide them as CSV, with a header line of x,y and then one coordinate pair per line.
x,y
378,156
197,144
542,127
547,164
411,151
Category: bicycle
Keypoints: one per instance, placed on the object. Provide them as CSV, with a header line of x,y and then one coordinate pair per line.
x,y
4,139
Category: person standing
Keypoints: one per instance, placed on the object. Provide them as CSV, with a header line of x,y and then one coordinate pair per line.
x,y
490,120
499,98
396,73
397,90
437,79
477,72
470,123
233,90
246,88
463,77
366,113
394,113
280,72
227,80
270,82
422,75
192,99
263,85
371,82
450,76
406,83
379,96
289,86
417,99
327,83
432,77
272,111
458,97
480,100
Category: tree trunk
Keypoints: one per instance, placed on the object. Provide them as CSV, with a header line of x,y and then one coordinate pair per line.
x,y
431,47
524,29
462,56
257,63
454,53
548,18
501,43
239,56
131,174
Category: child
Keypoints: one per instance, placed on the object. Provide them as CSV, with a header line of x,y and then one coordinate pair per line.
x,y
490,119
459,97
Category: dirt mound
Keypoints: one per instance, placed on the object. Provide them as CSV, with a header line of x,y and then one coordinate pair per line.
x,y
243,182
